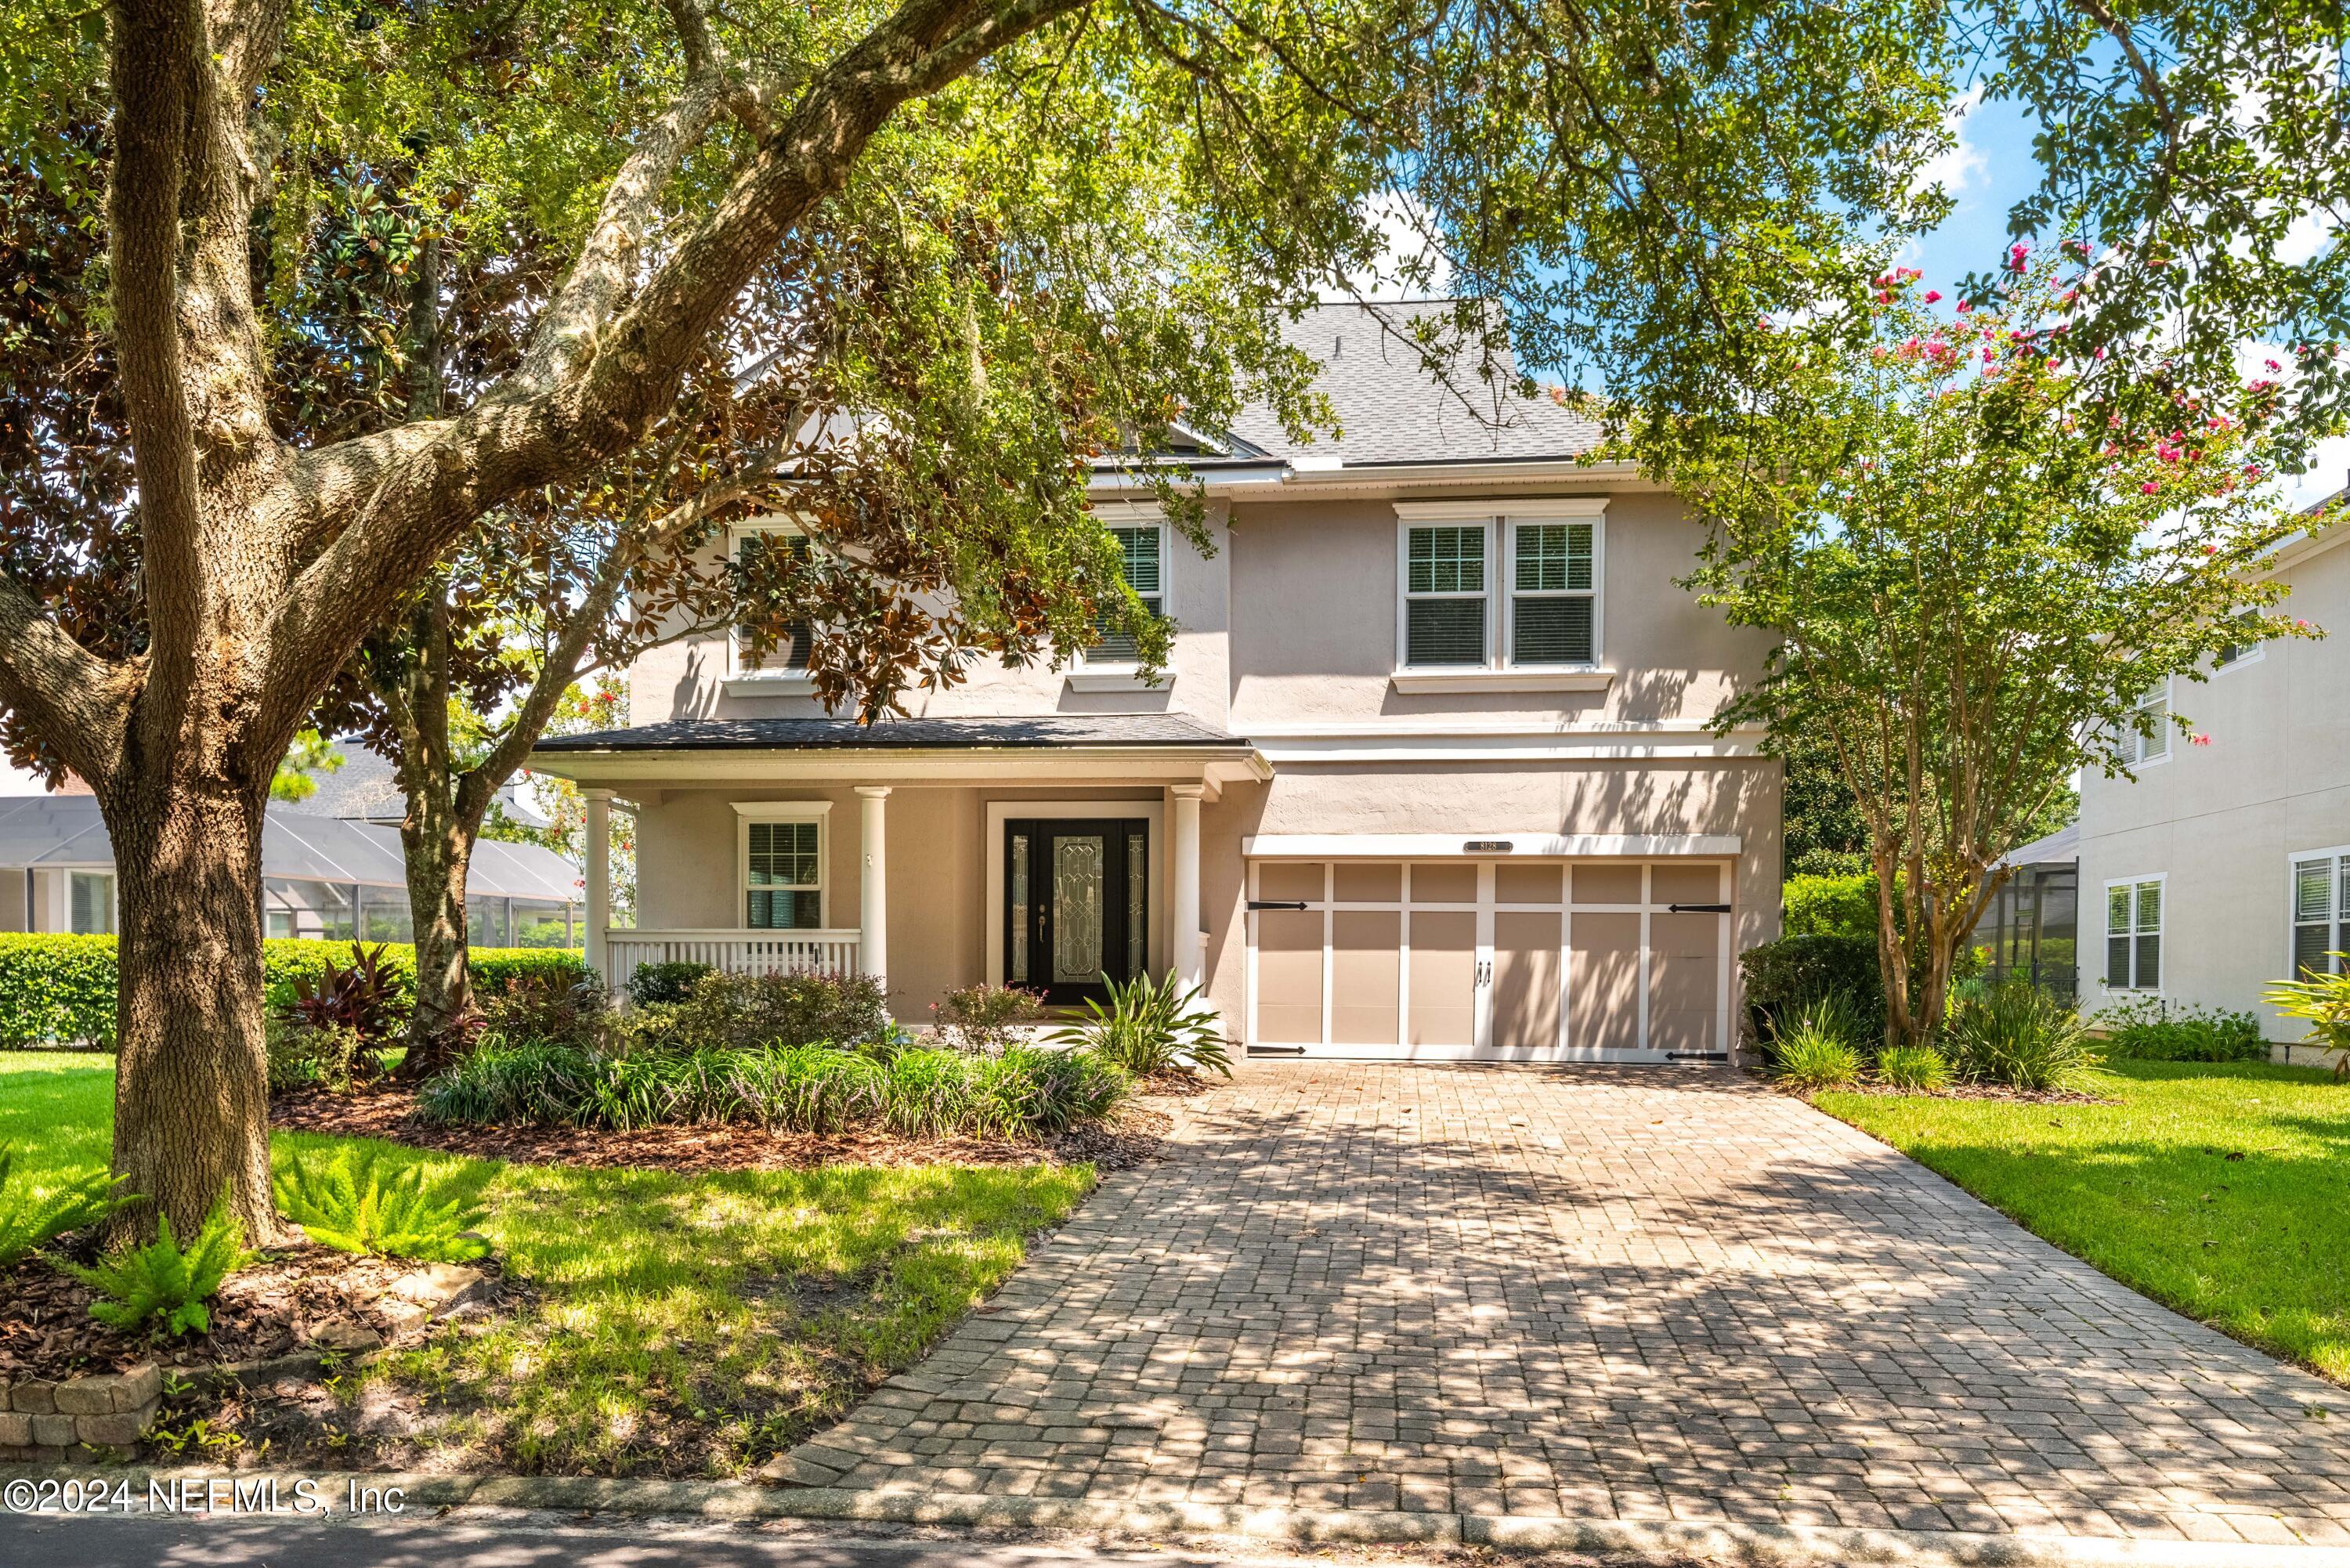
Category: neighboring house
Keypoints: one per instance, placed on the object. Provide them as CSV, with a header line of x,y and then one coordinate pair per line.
x,y
2226,865
2032,930
1429,774
364,787
320,877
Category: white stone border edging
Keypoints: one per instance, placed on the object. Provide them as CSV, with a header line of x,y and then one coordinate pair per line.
x,y
1722,1541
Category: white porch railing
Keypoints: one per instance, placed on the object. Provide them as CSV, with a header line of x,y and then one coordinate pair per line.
x,y
735,951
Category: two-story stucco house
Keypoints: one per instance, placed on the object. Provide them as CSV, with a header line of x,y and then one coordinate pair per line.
x,y
2225,865
1427,775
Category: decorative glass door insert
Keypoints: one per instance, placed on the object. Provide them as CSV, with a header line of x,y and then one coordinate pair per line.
x,y
1076,897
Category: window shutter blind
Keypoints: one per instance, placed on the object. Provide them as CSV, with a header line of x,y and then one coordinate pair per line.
x,y
1444,631
2149,936
1139,550
784,874
2118,942
1444,590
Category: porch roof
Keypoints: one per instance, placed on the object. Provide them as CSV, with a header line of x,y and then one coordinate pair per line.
x,y
1173,745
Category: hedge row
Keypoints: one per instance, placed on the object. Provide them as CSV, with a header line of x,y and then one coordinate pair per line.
x,y
60,990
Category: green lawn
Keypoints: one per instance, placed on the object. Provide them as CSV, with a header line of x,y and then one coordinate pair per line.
x,y
680,1325
2221,1190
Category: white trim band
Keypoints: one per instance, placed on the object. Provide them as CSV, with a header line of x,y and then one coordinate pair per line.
x,y
1458,846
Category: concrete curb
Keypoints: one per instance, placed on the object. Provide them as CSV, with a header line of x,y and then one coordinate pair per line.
x,y
1713,1541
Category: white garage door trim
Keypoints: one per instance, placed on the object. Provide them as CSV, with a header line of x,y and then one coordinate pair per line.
x,y
1483,845
1485,907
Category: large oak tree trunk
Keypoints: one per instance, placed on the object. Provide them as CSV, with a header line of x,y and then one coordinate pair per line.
x,y
191,1086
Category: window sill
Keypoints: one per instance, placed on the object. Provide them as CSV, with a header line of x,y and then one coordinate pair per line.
x,y
1473,680
1117,677
770,686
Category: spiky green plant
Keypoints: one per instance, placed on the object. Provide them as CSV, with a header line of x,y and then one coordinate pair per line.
x,y
1151,1026
28,1222
162,1281
348,1204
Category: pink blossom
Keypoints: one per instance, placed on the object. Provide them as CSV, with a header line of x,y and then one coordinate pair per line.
x,y
1934,294
2210,549
2301,626
1964,306
2272,364
2148,488
2015,254
2101,353
1884,296
2199,739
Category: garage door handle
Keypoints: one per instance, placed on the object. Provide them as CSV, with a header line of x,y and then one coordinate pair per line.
x,y
1697,909
1277,903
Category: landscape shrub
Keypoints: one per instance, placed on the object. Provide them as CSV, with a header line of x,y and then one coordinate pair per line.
x,y
1784,977
302,1056
28,1222
162,1281
1151,1026
1831,906
1919,1067
663,984
2322,1001
1813,1050
747,1010
918,1093
2150,1029
359,1002
985,1018
2017,1035
546,1004
344,1202
59,990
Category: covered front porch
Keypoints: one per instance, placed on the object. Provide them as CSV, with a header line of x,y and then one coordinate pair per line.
x,y
1059,853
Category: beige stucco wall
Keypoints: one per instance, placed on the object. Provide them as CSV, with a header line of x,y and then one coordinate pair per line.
x,y
937,849
1313,615
2221,821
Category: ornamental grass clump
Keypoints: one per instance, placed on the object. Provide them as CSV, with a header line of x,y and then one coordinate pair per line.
x,y
1816,1050
2017,1035
1914,1067
1152,1026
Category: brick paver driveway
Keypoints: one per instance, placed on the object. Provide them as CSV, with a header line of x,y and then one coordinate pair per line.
x,y
1638,1293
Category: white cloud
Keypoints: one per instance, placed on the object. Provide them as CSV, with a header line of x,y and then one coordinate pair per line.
x,y
1403,228
1961,165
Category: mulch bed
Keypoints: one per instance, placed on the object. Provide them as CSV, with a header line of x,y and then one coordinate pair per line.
x,y
274,1305
1130,1137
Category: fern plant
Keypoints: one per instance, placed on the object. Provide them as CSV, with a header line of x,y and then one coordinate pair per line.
x,y
28,1222
348,1205
162,1281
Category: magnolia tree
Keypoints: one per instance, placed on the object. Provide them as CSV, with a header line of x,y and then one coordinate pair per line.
x,y
1976,575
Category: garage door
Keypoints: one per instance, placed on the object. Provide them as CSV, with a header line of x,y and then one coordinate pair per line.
x,y
1503,960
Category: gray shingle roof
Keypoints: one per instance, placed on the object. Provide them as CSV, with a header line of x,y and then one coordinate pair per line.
x,y
365,786
1390,409
846,734
66,830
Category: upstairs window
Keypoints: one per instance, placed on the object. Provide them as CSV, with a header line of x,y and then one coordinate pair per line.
x,y
1515,589
2321,910
1552,605
2241,653
788,657
1142,551
2152,743
2133,935
1444,594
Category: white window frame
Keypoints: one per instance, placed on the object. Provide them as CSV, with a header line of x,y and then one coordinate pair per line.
x,y
2336,854
1123,670
2160,933
2251,653
1508,587
747,811
2136,755
741,677
1501,521
113,923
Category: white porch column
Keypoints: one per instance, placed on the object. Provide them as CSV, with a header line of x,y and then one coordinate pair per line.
x,y
599,878
873,890
1185,945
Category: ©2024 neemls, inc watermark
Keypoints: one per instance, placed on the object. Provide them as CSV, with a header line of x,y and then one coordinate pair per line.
x,y
202,1495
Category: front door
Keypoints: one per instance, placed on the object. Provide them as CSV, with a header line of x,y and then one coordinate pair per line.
x,y
1075,897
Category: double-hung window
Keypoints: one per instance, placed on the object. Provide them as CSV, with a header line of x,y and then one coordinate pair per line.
x,y
2151,742
788,658
1444,594
2133,935
783,870
1554,602
1514,588
2321,910
2243,652
91,897
1142,553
